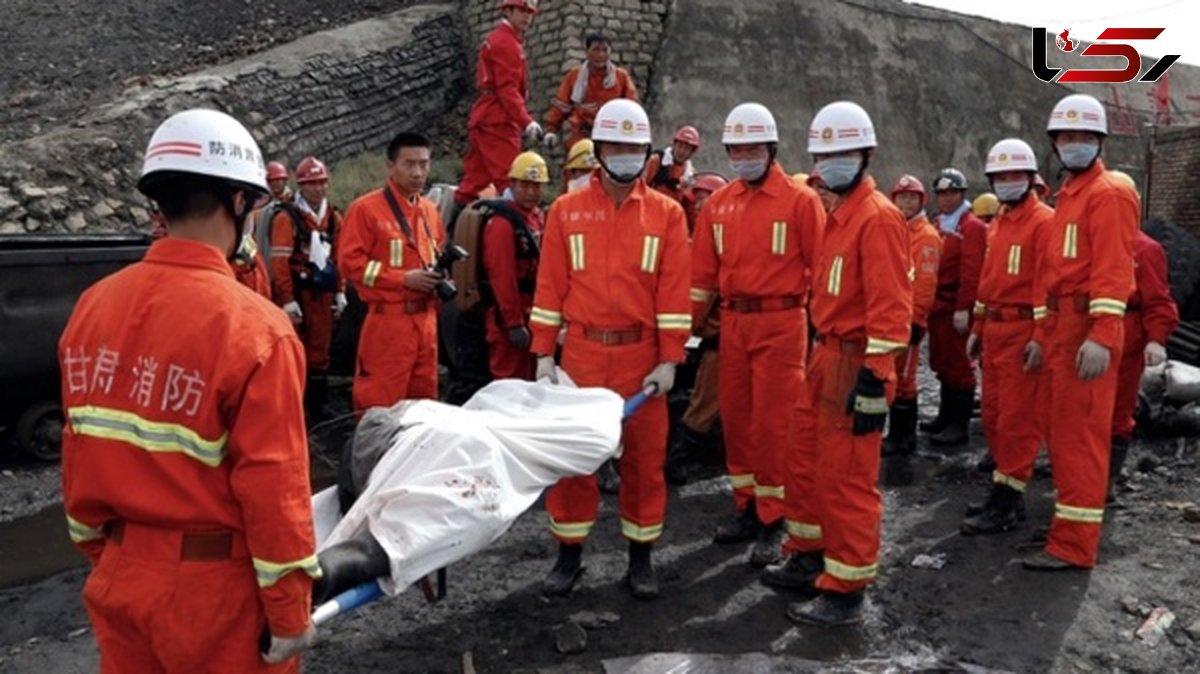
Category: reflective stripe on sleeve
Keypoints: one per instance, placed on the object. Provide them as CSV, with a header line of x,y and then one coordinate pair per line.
x,y
374,267
980,309
1040,312
1106,305
673,321
80,532
545,317
152,436
700,295
269,573
876,346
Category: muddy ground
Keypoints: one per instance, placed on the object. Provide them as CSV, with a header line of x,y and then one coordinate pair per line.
x,y
981,612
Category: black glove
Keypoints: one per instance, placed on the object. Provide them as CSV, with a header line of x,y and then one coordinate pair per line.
x,y
867,403
519,337
916,334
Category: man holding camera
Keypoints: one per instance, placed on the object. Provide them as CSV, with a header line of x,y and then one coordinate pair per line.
x,y
388,248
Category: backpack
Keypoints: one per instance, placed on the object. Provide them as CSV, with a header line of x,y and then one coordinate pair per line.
x,y
469,275
320,279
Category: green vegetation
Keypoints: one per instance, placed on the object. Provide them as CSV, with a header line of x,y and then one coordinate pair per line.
x,y
357,175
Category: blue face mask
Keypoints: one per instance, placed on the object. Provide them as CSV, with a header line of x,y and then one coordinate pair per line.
x,y
625,168
1010,191
839,172
748,169
1078,156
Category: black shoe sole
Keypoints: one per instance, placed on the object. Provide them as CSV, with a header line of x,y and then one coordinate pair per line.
x,y
560,591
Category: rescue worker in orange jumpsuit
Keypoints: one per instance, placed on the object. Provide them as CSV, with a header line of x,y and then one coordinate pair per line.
x,y
614,270
704,405
249,265
985,207
577,170
387,248
964,240
499,117
304,278
670,170
185,461
925,247
861,308
1150,317
1013,407
510,262
756,246
1086,279
584,89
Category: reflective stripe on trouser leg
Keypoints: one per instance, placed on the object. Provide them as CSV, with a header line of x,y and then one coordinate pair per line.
x,y
848,466
1080,427
572,504
1012,402
800,500
733,365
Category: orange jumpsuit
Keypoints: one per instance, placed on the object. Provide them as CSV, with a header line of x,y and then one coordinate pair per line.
x,y
1013,405
397,350
290,274
958,281
617,277
926,247
1086,278
512,276
498,117
185,465
672,183
1150,316
596,95
757,247
861,308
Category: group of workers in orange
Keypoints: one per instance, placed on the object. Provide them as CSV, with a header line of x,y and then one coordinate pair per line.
x,y
821,289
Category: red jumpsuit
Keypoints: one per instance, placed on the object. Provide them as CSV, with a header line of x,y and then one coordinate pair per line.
x,y
1013,402
290,280
1086,278
185,465
958,281
397,351
672,184
1150,316
756,248
861,308
249,267
617,277
926,248
498,117
512,275
596,95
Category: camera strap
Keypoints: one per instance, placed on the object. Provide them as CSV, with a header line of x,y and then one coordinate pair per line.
x,y
405,228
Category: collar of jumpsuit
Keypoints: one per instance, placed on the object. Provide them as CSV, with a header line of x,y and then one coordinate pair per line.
x,y
635,194
773,185
1077,181
851,200
187,253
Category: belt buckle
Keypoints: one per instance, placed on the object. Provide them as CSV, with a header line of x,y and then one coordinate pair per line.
x,y
608,337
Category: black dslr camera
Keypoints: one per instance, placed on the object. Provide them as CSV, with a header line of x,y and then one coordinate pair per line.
x,y
445,288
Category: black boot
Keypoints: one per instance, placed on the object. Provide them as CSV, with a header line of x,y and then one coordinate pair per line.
x,y
767,545
829,609
902,429
986,463
958,417
744,527
687,445
640,577
1120,450
316,396
976,507
998,515
936,424
797,572
349,564
566,571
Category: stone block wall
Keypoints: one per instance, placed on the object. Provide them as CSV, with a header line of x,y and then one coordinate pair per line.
x,y
1174,175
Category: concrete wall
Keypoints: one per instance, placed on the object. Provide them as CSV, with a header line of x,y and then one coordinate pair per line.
x,y
334,94
1175,178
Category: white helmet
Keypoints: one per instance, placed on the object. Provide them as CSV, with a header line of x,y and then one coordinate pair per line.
x,y
1010,154
208,143
1078,112
750,124
621,121
840,126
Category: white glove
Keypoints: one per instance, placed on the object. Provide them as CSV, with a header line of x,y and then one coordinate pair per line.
x,y
662,377
1156,354
546,369
292,309
534,131
339,304
550,140
1091,361
974,346
283,648
1033,356
962,321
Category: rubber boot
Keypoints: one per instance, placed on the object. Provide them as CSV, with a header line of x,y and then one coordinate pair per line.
x,y
902,429
986,463
349,564
976,507
936,424
687,444
1120,450
999,515
316,396
640,578
768,544
566,571
829,609
958,418
797,572
744,527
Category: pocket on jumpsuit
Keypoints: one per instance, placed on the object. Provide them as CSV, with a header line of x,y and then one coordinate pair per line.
x,y
835,391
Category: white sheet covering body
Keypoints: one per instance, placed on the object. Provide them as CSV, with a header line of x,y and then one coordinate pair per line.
x,y
454,479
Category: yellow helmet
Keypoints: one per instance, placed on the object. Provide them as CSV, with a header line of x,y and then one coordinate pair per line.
x,y
531,167
800,178
985,204
1123,178
582,156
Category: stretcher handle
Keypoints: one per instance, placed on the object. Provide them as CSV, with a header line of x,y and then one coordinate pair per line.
x,y
635,403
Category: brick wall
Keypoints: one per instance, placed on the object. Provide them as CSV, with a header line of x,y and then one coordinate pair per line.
x,y
1175,178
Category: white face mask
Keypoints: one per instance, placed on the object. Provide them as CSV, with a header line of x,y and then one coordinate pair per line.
x,y
749,169
839,172
1078,156
625,168
579,182
1010,191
